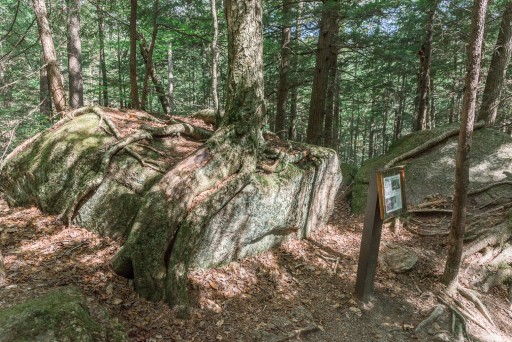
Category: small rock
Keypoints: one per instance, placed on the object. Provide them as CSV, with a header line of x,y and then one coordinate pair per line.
x,y
117,301
399,259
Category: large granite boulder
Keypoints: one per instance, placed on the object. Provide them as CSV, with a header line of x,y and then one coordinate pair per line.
x,y
130,198
432,173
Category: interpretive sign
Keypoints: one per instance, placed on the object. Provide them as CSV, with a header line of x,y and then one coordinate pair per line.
x,y
386,198
391,185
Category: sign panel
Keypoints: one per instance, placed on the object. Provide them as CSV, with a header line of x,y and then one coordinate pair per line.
x,y
391,183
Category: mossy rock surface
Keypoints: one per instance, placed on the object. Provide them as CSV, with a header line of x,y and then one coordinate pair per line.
x,y
60,315
432,173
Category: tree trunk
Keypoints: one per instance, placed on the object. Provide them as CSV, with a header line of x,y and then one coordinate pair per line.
x,y
432,108
134,90
103,64
76,83
497,70
294,96
120,77
147,54
330,100
328,27
45,106
467,115
50,57
282,90
170,79
215,63
425,55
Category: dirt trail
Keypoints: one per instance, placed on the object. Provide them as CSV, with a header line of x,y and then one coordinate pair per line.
x,y
300,291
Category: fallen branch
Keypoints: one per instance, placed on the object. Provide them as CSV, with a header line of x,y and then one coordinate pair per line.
x,y
429,211
428,145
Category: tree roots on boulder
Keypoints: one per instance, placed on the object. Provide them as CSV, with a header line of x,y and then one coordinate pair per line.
x,y
179,203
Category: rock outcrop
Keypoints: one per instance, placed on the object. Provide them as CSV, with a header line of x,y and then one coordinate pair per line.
x,y
432,173
80,170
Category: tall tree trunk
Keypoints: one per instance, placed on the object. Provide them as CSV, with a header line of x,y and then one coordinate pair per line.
x,y
119,72
45,106
432,108
425,55
103,64
134,89
245,102
328,27
215,63
294,96
400,97
50,57
467,115
498,69
282,90
330,99
76,83
147,54
170,79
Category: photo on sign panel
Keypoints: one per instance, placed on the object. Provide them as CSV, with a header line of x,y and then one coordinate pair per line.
x,y
392,193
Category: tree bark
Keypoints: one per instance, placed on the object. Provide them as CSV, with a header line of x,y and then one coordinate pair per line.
x,y
120,77
170,79
215,63
76,83
245,104
103,64
147,54
497,70
292,126
45,99
467,115
328,27
151,71
330,101
282,91
134,90
50,57
425,55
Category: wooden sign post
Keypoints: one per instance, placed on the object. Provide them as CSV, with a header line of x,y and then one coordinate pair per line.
x,y
386,198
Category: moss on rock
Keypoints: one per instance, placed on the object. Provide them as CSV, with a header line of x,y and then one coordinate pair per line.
x,y
60,315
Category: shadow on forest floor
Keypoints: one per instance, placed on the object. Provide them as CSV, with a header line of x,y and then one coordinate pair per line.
x,y
299,291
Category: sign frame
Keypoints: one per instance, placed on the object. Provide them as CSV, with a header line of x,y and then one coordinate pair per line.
x,y
391,189
374,216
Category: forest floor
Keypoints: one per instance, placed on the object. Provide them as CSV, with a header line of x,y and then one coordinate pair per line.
x,y
302,290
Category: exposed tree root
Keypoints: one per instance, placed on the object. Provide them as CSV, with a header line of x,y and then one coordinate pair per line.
x,y
95,182
490,186
469,295
459,316
428,145
2,270
495,236
296,333
438,311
